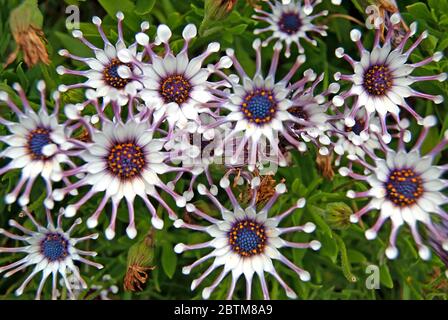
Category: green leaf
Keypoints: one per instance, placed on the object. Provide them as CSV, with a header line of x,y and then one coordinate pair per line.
x,y
144,6
420,11
385,277
169,260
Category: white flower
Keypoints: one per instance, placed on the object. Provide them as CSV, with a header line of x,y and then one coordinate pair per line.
x,y
290,22
51,251
362,137
112,79
405,187
245,242
123,161
37,146
382,78
175,86
262,111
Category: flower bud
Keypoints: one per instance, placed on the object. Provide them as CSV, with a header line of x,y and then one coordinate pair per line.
x,y
215,10
338,215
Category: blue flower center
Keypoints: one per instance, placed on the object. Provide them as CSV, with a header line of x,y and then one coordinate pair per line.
x,y
404,187
54,247
259,106
247,238
377,80
175,88
37,140
290,23
111,76
126,160
357,128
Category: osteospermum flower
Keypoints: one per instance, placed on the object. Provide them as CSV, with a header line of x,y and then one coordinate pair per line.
x,y
107,74
405,186
124,160
175,86
382,78
261,109
245,241
310,112
51,251
290,23
195,152
37,145
353,141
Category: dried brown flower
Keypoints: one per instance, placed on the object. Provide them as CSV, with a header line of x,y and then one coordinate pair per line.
x,y
324,164
26,26
265,191
140,257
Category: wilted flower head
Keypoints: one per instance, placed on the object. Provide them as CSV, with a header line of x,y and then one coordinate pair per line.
x,y
140,262
26,26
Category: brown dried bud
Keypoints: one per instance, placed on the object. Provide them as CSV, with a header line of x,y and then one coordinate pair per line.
x,y
140,257
324,164
265,191
26,26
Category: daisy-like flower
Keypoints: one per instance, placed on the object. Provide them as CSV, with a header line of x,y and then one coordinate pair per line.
x,y
107,74
290,23
175,86
382,78
352,141
310,112
38,145
405,186
263,110
245,241
124,160
195,152
51,251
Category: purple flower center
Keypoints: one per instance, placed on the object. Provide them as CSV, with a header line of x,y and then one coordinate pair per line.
x,y
259,106
357,128
37,140
247,238
54,247
290,23
111,76
126,160
300,113
377,80
175,88
404,187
